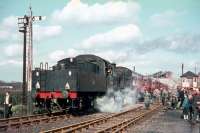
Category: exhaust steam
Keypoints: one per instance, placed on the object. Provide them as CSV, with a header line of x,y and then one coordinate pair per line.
x,y
115,101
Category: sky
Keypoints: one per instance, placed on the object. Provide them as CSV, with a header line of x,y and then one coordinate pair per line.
x,y
156,35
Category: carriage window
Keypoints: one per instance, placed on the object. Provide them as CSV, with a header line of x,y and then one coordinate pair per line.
x,y
89,67
93,68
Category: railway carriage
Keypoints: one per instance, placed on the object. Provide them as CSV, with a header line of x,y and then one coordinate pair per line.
x,y
124,78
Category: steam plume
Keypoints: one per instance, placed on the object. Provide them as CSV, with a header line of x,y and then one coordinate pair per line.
x,y
115,101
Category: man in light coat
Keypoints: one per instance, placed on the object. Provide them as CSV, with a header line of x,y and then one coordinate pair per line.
x,y
8,105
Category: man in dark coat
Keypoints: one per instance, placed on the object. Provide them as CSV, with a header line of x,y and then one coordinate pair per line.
x,y
181,97
8,105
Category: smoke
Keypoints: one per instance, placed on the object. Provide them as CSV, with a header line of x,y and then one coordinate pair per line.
x,y
172,82
115,101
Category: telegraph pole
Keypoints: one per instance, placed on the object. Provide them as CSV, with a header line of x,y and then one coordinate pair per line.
x,y
182,68
195,69
25,26
135,75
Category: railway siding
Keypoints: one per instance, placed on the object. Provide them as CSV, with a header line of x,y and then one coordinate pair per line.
x,y
112,123
17,122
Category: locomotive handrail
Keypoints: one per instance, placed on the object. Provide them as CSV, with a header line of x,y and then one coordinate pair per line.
x,y
41,65
46,66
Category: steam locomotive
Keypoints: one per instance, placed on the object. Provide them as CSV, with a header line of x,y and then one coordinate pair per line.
x,y
76,82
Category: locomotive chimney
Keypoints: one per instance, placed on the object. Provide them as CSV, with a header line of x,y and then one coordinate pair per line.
x,y
41,65
46,66
134,68
195,69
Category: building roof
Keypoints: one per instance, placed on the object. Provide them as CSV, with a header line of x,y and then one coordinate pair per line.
x,y
189,74
161,74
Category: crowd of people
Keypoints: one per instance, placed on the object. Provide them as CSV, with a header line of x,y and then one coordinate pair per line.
x,y
187,100
162,95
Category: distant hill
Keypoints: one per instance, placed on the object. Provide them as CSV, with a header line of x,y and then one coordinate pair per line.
x,y
10,85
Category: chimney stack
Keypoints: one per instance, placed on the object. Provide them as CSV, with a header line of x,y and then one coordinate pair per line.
x,y
182,68
195,69
134,68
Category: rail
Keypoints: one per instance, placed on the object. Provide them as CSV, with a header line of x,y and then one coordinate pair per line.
x,y
89,123
120,127
28,120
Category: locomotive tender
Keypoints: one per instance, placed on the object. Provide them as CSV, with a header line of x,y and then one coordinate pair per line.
x,y
76,82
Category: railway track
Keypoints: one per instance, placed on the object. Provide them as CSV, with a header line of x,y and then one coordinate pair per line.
x,y
17,122
121,126
112,123
102,122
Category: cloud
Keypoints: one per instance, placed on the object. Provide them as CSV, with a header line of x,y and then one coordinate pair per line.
x,y
13,50
73,52
11,62
112,55
184,42
10,37
56,55
44,32
166,18
119,35
9,22
124,57
8,28
78,12
12,55
61,54
107,45
187,43
4,34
